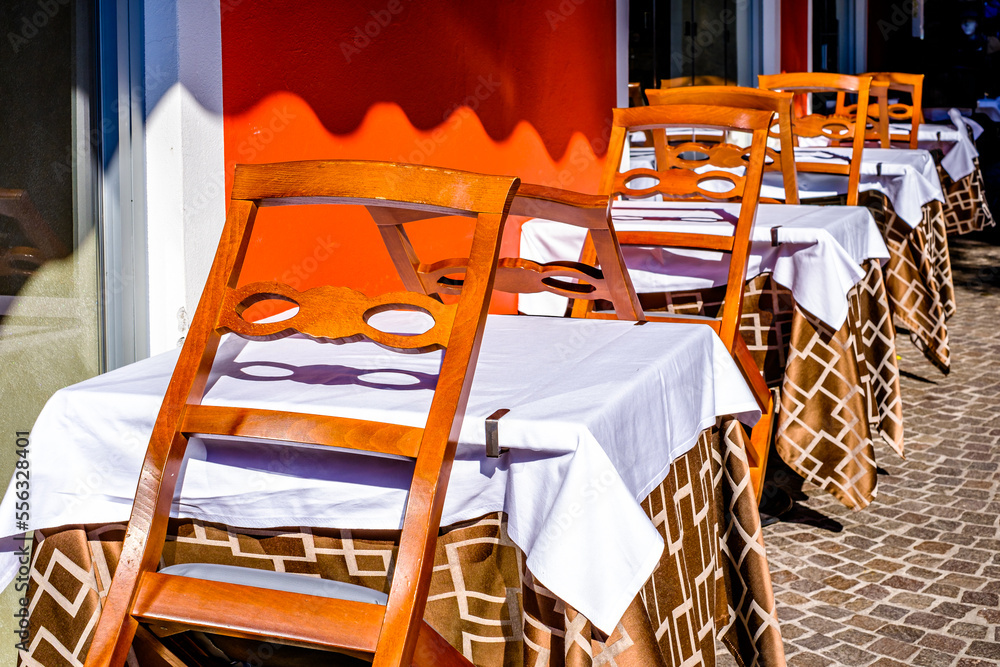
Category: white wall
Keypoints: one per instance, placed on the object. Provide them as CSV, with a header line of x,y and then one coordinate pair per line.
x,y
185,163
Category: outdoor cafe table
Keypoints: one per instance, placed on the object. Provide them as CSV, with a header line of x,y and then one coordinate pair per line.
x,y
815,316
902,189
620,517
965,209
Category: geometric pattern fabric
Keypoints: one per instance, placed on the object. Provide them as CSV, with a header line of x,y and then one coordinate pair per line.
x,y
839,389
918,275
712,582
966,209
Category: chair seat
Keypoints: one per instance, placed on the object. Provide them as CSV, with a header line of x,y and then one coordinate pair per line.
x,y
278,581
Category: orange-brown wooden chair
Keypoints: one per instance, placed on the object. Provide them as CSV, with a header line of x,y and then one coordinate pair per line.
x,y
883,113
635,100
836,128
392,633
675,178
605,278
782,160
698,80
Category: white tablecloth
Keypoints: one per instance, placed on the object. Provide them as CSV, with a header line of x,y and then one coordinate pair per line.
x,y
599,410
819,256
989,107
908,178
953,141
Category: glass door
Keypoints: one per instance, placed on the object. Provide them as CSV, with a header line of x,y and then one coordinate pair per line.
x,y
683,42
50,297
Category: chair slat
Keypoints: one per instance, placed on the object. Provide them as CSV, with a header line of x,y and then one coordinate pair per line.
x,y
719,242
309,429
335,314
255,613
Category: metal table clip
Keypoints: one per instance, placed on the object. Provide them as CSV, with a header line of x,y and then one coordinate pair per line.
x,y
493,449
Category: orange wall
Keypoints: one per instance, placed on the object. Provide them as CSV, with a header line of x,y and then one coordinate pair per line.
x,y
522,88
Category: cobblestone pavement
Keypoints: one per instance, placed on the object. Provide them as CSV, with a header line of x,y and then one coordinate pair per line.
x,y
915,578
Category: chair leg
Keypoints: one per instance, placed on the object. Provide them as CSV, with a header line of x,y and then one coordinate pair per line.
x,y
760,446
149,650
433,650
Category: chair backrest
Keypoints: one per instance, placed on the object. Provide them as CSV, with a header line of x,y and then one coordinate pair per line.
x,y
836,129
676,178
884,113
747,98
604,278
698,80
327,314
635,100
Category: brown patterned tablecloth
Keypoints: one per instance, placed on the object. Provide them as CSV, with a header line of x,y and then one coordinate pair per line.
x,y
839,389
918,275
712,580
966,209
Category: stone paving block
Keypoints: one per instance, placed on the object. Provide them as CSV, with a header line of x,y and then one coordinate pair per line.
x,y
854,637
984,599
974,662
893,648
952,609
889,612
904,583
823,626
933,547
837,598
922,619
963,566
903,633
943,643
931,658
843,654
809,660
979,649
816,642
867,622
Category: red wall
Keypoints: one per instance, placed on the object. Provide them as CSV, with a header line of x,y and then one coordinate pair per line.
x,y
521,88
795,36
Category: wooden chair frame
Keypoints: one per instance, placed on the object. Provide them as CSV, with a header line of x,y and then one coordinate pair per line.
x,y
835,128
675,183
635,100
698,80
747,98
884,113
394,634
514,275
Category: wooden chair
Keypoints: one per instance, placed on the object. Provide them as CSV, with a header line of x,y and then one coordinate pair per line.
x,y
836,128
677,179
782,160
393,632
883,113
635,100
699,80
605,278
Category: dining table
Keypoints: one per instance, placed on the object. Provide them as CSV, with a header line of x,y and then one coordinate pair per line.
x,y
616,517
954,150
816,317
903,190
